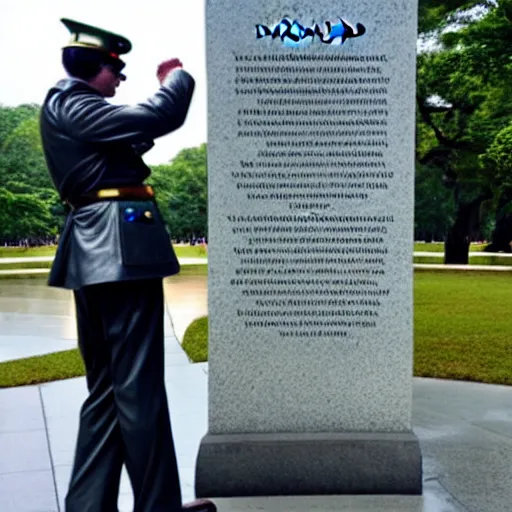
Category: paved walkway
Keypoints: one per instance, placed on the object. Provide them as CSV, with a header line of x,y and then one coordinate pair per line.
x,y
49,259
465,432
468,268
204,261
38,426
36,319
465,429
472,254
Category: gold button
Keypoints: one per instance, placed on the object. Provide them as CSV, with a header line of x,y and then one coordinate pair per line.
x,y
148,214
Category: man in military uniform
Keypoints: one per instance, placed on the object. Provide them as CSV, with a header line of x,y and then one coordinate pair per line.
x,y
113,252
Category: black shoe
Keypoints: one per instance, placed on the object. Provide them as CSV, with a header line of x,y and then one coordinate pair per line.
x,y
200,506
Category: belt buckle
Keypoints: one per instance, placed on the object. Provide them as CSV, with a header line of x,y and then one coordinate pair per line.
x,y
108,193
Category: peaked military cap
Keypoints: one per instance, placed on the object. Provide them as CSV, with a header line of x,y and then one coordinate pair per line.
x,y
87,36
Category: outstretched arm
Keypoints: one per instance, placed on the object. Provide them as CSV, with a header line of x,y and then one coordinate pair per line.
x,y
89,117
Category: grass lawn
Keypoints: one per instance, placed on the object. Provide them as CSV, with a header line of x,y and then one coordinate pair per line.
x,y
187,251
439,247
27,265
47,368
182,251
197,270
195,340
193,270
186,270
462,331
473,260
23,252
23,276
462,325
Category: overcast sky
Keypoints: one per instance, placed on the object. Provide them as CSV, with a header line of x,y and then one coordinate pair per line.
x,y
31,38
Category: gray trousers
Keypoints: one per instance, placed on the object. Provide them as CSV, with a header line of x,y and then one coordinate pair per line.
x,y
125,419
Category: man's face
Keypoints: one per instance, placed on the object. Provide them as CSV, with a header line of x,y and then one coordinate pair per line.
x,y
106,81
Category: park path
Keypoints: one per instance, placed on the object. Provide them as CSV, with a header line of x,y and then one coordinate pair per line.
x,y
465,431
204,261
49,259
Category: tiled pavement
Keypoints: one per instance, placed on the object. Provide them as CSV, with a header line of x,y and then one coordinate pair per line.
x,y
38,426
465,431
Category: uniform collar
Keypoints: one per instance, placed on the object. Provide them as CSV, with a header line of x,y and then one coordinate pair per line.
x,y
73,83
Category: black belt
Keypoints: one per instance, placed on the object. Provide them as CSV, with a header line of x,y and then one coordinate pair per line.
x,y
136,193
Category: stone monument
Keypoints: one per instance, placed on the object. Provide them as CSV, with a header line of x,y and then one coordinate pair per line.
x,y
311,125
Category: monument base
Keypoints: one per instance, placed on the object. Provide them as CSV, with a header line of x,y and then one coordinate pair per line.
x,y
243,465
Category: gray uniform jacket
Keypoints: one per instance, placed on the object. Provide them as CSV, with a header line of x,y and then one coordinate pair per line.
x,y
90,144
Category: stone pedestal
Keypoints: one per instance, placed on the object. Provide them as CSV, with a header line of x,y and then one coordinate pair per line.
x,y
311,185
308,464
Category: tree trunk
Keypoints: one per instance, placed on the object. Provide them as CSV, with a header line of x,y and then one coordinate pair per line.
x,y
456,247
502,234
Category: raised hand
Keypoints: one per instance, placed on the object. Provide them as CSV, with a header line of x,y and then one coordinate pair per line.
x,y
167,67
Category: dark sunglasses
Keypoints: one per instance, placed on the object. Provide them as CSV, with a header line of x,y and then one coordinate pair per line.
x,y
115,72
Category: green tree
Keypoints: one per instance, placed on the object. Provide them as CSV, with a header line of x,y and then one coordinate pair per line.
x,y
25,216
498,160
28,197
11,117
182,193
464,100
435,15
162,179
6,220
434,208
23,156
